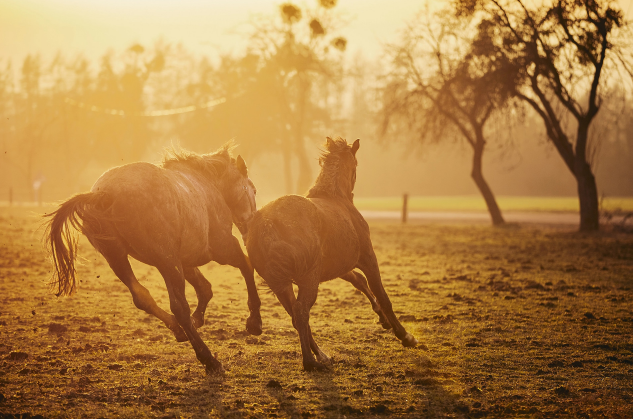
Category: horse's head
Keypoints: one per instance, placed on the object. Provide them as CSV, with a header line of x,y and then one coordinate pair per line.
x,y
338,170
239,194
348,165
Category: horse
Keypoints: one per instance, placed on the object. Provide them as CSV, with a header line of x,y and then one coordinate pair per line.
x,y
312,239
176,217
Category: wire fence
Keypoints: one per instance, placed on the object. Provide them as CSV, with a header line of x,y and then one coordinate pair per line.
x,y
162,112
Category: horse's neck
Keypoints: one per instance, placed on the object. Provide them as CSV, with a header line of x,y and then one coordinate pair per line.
x,y
330,191
200,177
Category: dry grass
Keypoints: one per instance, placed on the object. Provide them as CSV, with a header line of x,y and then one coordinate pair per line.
x,y
518,322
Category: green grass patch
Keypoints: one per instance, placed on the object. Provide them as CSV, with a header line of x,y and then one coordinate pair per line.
x,y
476,203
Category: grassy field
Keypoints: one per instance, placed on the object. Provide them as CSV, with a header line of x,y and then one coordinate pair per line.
x,y
513,322
476,203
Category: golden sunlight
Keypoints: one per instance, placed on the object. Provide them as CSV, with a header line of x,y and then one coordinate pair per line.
x,y
316,208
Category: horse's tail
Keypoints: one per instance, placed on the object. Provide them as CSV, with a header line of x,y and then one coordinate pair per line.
x,y
61,240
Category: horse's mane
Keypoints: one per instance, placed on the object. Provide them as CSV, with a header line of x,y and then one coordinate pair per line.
x,y
328,183
212,164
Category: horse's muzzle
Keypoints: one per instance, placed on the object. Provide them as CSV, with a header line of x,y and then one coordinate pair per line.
x,y
243,227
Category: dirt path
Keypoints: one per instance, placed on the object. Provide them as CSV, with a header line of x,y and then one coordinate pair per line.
x,y
537,218
516,322
555,218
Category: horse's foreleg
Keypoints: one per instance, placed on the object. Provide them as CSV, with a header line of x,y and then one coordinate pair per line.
x,y
287,299
369,265
143,300
238,259
360,283
204,293
175,281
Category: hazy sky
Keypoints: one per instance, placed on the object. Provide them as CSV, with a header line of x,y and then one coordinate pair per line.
x,y
208,27
203,26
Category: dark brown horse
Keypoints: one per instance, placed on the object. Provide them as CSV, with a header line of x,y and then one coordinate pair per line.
x,y
312,239
175,217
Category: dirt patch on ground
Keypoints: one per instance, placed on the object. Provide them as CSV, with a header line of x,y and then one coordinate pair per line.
x,y
515,322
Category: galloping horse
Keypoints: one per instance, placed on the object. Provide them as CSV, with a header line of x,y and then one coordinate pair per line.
x,y
312,239
175,217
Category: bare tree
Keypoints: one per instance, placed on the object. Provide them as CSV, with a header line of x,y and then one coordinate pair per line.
x,y
299,49
438,90
557,57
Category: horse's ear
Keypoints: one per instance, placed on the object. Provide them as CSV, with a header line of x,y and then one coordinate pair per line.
x,y
329,143
241,166
355,146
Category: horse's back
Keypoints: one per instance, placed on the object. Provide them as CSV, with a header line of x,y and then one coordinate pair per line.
x,y
128,178
156,212
283,240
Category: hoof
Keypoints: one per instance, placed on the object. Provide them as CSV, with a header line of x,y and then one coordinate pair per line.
x,y
215,369
254,325
324,359
409,341
314,365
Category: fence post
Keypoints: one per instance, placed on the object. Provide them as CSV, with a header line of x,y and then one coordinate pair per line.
x,y
405,200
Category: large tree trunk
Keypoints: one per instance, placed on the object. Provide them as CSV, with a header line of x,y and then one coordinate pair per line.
x,y
486,192
587,197
587,189
576,162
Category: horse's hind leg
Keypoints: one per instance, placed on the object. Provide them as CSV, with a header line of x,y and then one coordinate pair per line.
x,y
287,299
175,281
360,283
369,265
118,261
308,290
203,292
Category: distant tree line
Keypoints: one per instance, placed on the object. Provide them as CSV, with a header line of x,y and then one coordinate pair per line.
x,y
473,73
278,96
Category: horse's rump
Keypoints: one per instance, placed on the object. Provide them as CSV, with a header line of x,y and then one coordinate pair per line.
x,y
339,236
283,240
